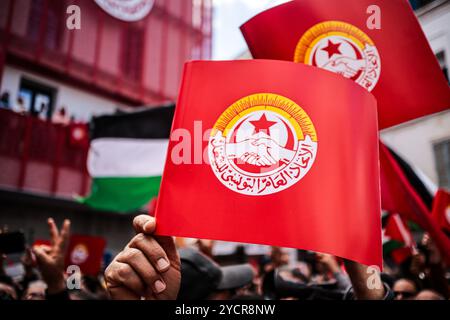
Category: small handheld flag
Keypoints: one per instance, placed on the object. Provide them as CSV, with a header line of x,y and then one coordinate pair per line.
x,y
288,156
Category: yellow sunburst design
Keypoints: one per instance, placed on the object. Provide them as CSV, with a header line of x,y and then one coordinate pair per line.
x,y
325,29
285,107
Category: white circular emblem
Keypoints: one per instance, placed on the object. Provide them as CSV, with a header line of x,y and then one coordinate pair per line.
x,y
262,144
127,10
341,48
78,134
79,254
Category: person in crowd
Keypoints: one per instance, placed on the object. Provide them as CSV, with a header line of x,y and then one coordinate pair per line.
x,y
429,295
150,267
332,266
7,291
204,279
4,100
50,260
35,291
42,112
61,117
38,111
404,289
20,106
278,257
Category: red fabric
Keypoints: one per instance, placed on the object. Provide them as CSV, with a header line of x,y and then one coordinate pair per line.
x,y
396,229
152,206
86,252
334,208
397,195
411,83
441,209
401,254
41,242
79,134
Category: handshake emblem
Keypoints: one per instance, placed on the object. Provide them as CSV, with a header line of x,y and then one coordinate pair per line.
x,y
259,150
345,66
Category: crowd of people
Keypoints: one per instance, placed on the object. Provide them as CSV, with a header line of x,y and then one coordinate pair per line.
x,y
60,116
155,267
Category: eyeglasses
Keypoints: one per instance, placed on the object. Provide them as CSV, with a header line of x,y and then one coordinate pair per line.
x,y
405,294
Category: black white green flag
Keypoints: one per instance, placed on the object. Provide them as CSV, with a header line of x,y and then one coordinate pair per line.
x,y
126,158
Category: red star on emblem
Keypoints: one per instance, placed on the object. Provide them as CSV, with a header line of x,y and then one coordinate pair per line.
x,y
332,49
263,125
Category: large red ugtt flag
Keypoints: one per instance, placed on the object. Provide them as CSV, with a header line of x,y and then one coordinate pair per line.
x,y
394,62
291,160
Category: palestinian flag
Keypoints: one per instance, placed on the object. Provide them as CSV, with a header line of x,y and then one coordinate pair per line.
x,y
126,158
402,192
397,238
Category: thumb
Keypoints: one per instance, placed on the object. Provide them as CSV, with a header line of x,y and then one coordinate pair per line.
x,y
144,224
41,256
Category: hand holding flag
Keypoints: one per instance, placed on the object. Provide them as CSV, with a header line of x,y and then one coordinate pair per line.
x,y
148,267
291,160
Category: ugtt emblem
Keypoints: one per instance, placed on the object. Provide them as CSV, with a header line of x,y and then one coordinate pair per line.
x,y
262,144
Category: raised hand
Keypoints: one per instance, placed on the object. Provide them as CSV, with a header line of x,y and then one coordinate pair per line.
x,y
148,267
50,259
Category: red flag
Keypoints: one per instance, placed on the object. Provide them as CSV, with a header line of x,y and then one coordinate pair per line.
x,y
397,195
79,134
394,62
41,242
86,252
441,209
291,160
397,238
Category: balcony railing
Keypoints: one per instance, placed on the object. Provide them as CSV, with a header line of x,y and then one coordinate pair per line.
x,y
42,157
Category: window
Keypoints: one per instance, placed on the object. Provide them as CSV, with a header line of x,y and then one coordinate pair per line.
x,y
416,4
442,158
442,63
132,51
34,19
53,19
38,98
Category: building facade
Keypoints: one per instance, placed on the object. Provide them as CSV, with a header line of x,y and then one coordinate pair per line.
x,y
107,63
117,57
425,142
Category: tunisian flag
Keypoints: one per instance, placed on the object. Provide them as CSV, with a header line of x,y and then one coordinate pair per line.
x,y
394,62
275,153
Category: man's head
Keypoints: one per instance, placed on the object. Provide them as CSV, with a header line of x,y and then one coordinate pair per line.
x,y
404,289
35,291
429,295
202,278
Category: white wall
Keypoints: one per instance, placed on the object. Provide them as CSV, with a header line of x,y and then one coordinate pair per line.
x,y
414,140
83,105
435,22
